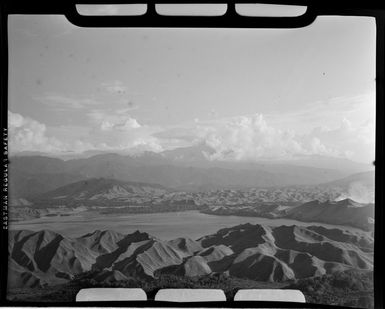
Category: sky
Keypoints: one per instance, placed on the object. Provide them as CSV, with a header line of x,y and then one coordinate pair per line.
x,y
250,94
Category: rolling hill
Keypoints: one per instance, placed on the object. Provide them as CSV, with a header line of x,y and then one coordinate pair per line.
x,y
343,212
257,252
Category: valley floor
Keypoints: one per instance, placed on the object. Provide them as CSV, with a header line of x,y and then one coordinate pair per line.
x,y
193,224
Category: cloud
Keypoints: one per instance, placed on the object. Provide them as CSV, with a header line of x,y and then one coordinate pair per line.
x,y
353,142
126,141
62,103
185,134
251,137
108,120
329,112
26,134
123,125
115,87
248,137
118,131
125,135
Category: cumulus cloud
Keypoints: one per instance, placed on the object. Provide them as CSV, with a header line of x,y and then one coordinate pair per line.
x,y
252,138
115,134
26,134
127,141
248,137
346,140
108,120
119,131
123,125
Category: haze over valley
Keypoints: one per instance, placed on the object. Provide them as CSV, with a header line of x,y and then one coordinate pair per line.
x,y
37,188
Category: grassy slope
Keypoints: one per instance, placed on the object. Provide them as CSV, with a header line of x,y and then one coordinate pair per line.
x,y
352,288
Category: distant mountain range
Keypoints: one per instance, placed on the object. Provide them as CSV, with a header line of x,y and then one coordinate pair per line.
x,y
256,252
344,212
359,187
102,189
199,156
187,169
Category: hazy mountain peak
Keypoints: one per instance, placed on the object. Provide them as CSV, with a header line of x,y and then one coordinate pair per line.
x,y
349,203
198,152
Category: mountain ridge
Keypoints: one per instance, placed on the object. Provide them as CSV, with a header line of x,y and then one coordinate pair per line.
x,y
257,252
103,188
200,153
33,175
